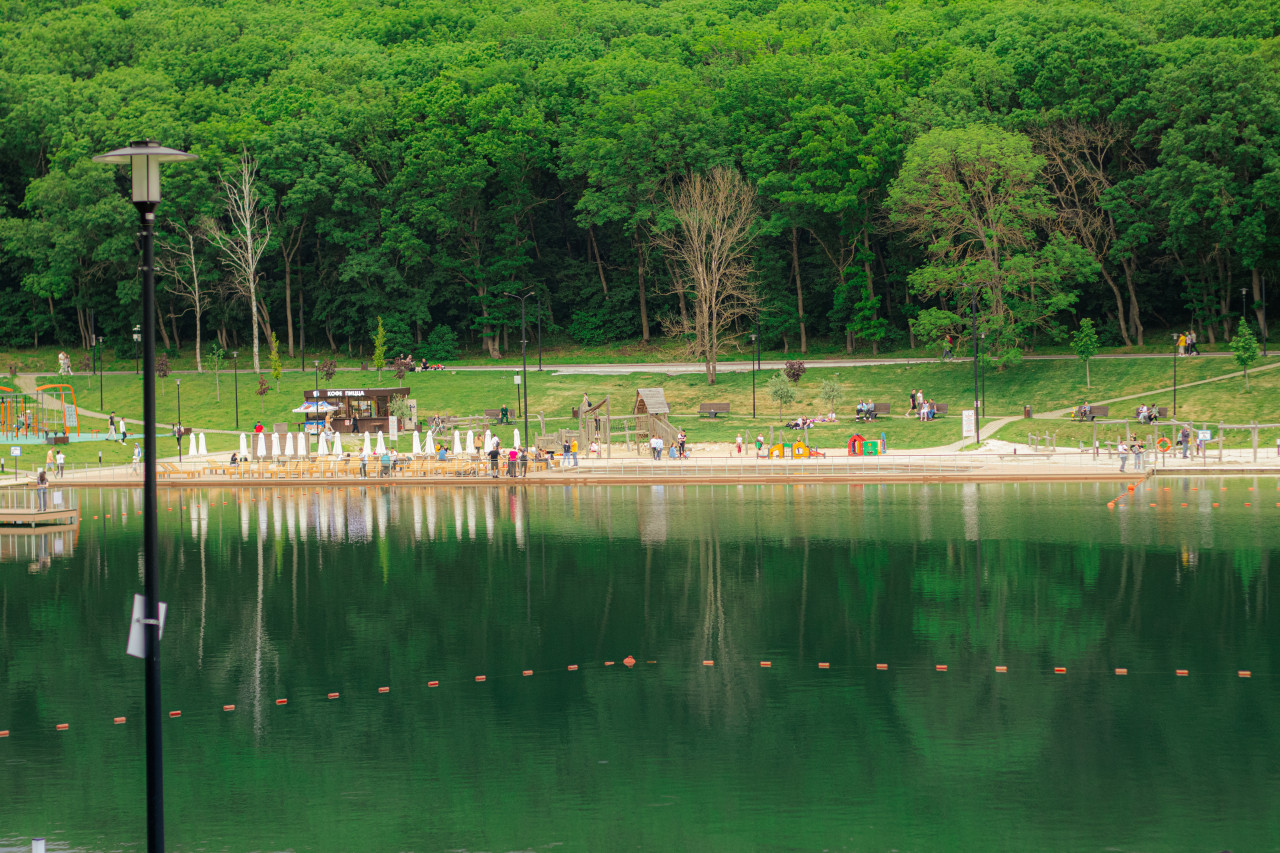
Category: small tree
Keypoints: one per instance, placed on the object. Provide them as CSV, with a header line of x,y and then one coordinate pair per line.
x,y
794,370
162,370
831,393
217,355
276,369
328,368
380,349
1084,343
782,391
401,366
1245,347
263,387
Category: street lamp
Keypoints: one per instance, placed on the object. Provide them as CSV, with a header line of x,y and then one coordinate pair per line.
x,y
1175,377
235,372
316,362
137,339
1243,291
97,341
144,159
302,332
755,357
178,429
977,415
539,337
524,360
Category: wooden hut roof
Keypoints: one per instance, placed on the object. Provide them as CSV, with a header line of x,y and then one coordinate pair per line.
x,y
654,402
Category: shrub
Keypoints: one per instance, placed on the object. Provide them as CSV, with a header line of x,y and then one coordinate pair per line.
x,y
440,346
794,370
607,322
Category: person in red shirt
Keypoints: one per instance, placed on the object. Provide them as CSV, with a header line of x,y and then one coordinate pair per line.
x,y
258,428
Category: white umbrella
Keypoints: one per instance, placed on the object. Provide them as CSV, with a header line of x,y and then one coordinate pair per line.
x,y
429,442
366,443
275,445
303,444
457,443
323,450
244,445
488,441
337,444
191,446
288,444
516,441
471,441
204,449
417,444
262,445
382,448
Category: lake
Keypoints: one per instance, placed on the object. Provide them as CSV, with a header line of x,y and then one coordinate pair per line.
x,y
296,594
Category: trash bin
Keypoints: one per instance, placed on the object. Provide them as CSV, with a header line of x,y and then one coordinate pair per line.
x,y
1026,411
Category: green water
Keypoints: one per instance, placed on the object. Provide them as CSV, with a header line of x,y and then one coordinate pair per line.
x,y
299,593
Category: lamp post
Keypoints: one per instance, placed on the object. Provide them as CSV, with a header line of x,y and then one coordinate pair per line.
x,y
137,339
540,338
235,370
144,159
1243,291
755,358
977,415
1175,377
524,359
316,362
178,427
97,341
1265,328
302,332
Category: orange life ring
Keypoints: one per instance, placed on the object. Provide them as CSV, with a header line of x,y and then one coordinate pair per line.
x,y
1163,445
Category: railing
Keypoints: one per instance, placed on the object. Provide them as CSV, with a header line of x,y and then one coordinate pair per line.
x,y
62,496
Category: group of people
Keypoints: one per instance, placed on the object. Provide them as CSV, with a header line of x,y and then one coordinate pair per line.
x,y
116,430
680,448
64,364
864,411
1137,447
1148,414
1187,343
921,408
803,422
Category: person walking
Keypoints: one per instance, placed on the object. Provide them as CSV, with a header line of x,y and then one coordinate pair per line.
x,y
42,491
364,463
137,457
759,443
573,451
1123,450
494,452
1182,344
738,444
1185,438
48,459
911,400
513,458
124,432
524,461
111,427
681,439
946,348
1138,449
658,454
1192,349
62,461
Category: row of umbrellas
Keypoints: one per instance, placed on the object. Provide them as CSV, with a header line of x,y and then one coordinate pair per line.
x,y
301,446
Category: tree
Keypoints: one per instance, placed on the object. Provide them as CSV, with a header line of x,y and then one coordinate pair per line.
x,y
276,369
263,387
1245,347
793,370
972,197
782,391
380,348
162,369
831,393
328,368
217,356
179,262
711,244
242,246
1084,343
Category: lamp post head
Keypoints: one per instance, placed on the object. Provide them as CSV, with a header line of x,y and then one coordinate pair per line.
x,y
144,158
235,353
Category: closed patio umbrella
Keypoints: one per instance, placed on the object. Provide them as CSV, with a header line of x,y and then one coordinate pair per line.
x,y
323,449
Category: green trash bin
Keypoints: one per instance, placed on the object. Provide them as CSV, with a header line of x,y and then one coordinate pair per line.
x,y
871,447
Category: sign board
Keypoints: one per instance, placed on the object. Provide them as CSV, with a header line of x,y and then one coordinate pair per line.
x,y
413,412
517,378
393,427
968,424
15,451
69,417
1204,435
137,639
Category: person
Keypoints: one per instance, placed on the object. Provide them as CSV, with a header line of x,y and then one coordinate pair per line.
x,y
1182,343
235,459
1123,450
946,348
573,451
395,460
441,454
42,491
504,415
385,465
124,432
494,451
524,461
1192,349
1086,412
911,399
364,463
1185,438
564,449
1138,448
594,449
1144,416
738,444
512,458
62,461
257,428
355,424
759,442
137,457
48,459
682,438
111,427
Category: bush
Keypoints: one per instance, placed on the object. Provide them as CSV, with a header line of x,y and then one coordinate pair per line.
x,y
610,321
794,370
440,346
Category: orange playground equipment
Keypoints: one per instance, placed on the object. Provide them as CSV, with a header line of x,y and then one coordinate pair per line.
x,y
792,450
52,411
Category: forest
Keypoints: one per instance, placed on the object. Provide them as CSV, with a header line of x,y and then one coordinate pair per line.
x,y
906,166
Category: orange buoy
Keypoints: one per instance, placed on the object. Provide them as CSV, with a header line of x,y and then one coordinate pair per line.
x,y
942,667
479,678
4,733
608,663
1215,504
1002,669
527,672
573,667
766,663
1112,504
1246,503
333,695
882,666
629,661
228,707
824,665
708,663
282,701
1244,673
117,720
1060,670
1152,504
62,727
384,689
1181,672
1184,504
430,683
175,713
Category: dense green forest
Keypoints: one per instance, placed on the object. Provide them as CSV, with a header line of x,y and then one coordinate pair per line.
x,y
420,161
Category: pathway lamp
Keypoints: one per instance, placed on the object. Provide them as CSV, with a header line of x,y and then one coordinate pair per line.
x,y
97,342
144,159
755,359
316,362
524,360
137,339
1243,309
977,400
178,429
1175,377
235,373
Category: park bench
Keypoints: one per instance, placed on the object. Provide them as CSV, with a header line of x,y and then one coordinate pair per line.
x,y
1094,413
1162,412
940,409
878,409
713,409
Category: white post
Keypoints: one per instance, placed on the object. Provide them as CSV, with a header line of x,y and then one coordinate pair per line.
x,y
37,845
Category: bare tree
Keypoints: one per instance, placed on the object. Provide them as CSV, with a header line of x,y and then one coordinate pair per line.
x,y
710,247
242,246
180,265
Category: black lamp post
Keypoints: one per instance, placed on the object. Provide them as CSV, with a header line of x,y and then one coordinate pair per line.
x,y
539,337
524,360
137,339
144,159
1243,291
235,370
178,428
97,341
316,362
302,332
755,358
977,400
1175,376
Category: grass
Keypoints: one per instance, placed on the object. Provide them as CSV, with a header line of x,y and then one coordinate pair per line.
x,y
1045,385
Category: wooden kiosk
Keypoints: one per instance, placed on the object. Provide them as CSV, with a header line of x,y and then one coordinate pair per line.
x,y
357,409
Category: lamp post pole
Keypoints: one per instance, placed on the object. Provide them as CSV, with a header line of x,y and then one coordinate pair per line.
x,y
97,341
137,338
1243,309
144,159
977,417
1175,376
178,428
316,362
755,358
235,369
524,359
539,337
1265,328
